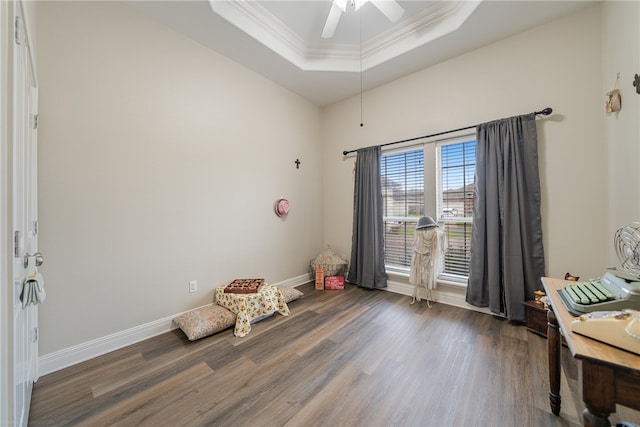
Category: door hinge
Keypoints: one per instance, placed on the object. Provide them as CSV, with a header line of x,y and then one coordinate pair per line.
x,y
18,32
35,228
36,334
16,244
36,121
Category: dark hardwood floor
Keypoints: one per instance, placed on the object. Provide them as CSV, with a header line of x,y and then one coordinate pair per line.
x,y
342,358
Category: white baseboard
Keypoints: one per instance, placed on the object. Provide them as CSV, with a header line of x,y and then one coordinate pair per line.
x,y
64,358
79,353
296,281
450,295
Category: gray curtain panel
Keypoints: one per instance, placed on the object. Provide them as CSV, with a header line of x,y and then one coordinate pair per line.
x,y
367,242
507,256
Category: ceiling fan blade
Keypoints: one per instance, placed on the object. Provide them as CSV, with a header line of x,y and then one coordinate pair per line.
x,y
390,8
332,22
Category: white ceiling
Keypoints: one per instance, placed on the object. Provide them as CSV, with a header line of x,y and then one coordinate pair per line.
x,y
281,39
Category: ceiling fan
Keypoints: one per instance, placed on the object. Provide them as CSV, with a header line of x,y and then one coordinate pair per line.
x,y
390,8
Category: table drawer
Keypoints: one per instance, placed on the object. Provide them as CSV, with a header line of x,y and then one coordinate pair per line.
x,y
536,317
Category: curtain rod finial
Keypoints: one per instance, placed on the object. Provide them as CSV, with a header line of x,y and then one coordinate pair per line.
x,y
345,152
546,111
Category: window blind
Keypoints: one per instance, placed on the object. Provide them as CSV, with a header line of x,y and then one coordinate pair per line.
x,y
402,177
457,185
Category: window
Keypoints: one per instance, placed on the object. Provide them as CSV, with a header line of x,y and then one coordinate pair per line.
x,y
403,204
456,163
405,199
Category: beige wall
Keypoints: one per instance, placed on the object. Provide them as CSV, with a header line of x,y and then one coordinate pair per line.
x,y
621,54
555,65
160,162
143,183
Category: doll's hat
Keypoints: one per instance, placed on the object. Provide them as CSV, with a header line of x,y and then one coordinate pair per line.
x,y
426,222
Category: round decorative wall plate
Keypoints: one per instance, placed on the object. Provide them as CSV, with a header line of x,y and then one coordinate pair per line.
x,y
281,207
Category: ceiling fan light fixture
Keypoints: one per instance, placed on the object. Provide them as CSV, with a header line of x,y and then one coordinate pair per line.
x,y
332,21
341,4
390,8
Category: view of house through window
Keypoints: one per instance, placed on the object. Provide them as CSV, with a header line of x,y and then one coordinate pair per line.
x,y
403,196
456,169
403,204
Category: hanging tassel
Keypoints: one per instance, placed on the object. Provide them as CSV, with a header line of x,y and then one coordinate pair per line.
x,y
33,286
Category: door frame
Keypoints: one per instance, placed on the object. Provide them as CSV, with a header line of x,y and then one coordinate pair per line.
x,y
6,210
8,133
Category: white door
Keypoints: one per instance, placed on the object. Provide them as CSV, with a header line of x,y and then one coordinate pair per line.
x,y
24,213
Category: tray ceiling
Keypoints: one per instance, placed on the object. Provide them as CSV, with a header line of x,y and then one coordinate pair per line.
x,y
281,40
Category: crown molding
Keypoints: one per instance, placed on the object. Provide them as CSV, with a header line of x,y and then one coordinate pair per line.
x,y
256,21
439,20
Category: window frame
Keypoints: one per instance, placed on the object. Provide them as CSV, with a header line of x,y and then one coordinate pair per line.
x,y
404,219
433,204
440,205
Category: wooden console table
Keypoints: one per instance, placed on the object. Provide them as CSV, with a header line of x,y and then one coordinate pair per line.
x,y
607,375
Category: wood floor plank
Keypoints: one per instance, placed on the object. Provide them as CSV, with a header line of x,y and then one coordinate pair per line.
x,y
200,403
257,391
186,403
135,409
162,363
77,386
342,358
316,412
326,329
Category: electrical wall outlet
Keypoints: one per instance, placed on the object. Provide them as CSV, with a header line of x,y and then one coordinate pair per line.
x,y
193,286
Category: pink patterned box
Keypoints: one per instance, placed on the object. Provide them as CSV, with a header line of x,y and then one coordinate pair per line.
x,y
334,282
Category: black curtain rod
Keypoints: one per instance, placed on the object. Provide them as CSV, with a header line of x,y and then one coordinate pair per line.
x,y
544,112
